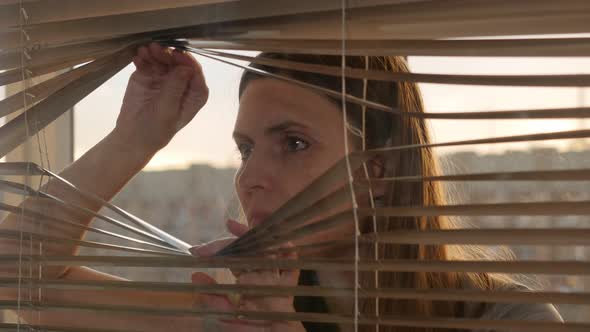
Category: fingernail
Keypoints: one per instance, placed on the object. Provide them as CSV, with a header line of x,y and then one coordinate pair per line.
x,y
201,251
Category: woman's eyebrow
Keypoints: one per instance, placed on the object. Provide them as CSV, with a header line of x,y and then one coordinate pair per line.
x,y
283,126
270,130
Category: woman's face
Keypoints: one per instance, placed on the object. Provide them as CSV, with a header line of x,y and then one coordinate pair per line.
x,y
287,136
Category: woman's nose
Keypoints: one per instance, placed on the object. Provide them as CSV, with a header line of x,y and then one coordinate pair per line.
x,y
256,173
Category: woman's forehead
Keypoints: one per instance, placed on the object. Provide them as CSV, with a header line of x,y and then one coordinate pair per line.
x,y
272,100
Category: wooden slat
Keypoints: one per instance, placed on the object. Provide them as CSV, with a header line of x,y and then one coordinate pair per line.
x,y
429,20
537,47
290,233
578,208
386,22
16,327
39,216
24,190
276,232
384,320
549,113
433,294
40,91
14,132
319,188
581,208
166,19
150,230
318,88
560,209
21,168
16,75
45,11
67,205
529,267
169,239
507,236
32,236
501,80
549,208
542,175
569,134
561,236
11,2
48,56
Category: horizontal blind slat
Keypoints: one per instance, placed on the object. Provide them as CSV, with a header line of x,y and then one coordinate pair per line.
x,y
532,267
506,296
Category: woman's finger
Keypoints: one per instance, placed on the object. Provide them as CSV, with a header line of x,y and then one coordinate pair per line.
x,y
268,277
143,57
144,53
195,97
201,278
158,67
289,277
215,302
259,278
161,54
218,302
140,64
183,58
211,248
173,89
292,253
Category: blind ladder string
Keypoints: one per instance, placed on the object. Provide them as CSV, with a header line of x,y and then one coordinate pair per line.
x,y
349,168
40,224
26,75
43,159
371,196
41,148
23,17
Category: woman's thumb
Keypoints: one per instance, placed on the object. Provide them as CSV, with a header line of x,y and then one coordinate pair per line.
x,y
236,228
201,278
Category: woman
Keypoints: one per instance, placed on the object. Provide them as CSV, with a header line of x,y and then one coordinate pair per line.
x,y
287,136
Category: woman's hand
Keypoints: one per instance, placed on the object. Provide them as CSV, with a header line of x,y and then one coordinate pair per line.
x,y
164,93
249,303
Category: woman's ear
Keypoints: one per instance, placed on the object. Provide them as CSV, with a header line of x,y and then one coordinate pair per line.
x,y
375,169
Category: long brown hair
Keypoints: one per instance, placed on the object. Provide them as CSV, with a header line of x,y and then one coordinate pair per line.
x,y
387,129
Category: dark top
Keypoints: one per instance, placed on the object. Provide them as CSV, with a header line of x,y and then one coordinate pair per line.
x,y
313,304
493,311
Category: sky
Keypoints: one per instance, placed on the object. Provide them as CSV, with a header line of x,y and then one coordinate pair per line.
x,y
207,139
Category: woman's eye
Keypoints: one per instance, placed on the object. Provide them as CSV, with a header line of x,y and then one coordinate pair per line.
x,y
245,150
294,144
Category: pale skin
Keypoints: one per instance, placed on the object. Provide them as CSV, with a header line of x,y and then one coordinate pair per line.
x,y
287,136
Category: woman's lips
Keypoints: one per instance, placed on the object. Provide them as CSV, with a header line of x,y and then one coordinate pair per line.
x,y
256,218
